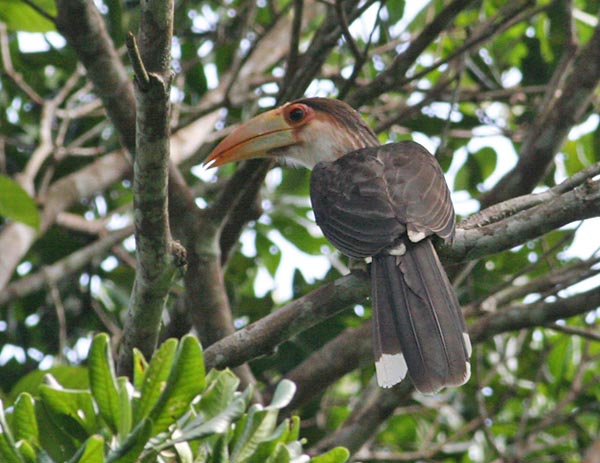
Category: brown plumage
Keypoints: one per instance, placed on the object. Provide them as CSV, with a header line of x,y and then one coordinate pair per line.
x,y
382,203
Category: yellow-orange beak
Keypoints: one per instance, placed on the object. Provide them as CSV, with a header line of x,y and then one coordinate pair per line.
x,y
254,139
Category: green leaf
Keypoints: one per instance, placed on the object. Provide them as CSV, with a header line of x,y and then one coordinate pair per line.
x,y
283,395
56,443
24,422
184,452
220,451
395,10
294,428
68,376
140,366
258,427
487,158
335,455
220,390
27,451
155,378
125,422
218,424
103,381
15,203
19,16
560,360
72,410
8,450
132,447
186,380
279,454
269,252
273,448
468,176
91,452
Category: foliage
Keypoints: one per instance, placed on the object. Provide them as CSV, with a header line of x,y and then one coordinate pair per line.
x,y
171,412
481,84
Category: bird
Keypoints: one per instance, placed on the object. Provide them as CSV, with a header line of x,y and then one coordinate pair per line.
x,y
382,203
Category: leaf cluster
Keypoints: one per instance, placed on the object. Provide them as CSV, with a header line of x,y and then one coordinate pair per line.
x,y
171,412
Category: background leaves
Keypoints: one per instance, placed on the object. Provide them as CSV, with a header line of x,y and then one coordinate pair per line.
x,y
472,81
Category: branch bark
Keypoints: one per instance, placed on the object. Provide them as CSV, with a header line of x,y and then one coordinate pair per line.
x,y
263,336
157,256
578,204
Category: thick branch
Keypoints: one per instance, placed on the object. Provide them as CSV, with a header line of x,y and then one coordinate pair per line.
x,y
83,27
263,336
157,256
578,204
540,313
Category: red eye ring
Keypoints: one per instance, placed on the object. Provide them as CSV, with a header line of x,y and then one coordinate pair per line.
x,y
296,114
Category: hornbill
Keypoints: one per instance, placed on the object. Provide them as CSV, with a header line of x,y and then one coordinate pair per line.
x,y
381,203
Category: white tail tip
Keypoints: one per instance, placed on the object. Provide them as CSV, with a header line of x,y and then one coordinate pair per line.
x,y
390,369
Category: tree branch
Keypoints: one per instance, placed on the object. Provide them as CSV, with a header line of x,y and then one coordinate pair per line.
x,y
389,78
263,336
578,204
377,404
157,256
519,316
570,101
53,273
83,27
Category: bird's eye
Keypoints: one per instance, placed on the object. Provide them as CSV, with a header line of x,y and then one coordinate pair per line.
x,y
296,114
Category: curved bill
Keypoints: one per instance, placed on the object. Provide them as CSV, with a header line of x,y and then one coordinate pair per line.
x,y
253,139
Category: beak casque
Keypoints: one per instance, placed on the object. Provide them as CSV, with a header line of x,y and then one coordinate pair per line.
x,y
254,139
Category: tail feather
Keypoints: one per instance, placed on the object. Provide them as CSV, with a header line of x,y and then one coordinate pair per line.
x,y
418,321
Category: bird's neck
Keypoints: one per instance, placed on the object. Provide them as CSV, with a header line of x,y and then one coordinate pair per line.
x,y
330,145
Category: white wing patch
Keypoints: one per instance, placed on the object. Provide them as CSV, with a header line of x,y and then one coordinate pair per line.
x,y
414,236
390,369
399,250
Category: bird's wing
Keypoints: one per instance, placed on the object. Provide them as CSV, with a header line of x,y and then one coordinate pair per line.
x,y
367,199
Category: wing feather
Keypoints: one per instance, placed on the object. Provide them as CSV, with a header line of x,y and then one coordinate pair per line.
x,y
365,201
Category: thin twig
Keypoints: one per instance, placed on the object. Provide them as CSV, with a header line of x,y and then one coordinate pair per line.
x,y
62,320
293,55
9,69
141,75
567,329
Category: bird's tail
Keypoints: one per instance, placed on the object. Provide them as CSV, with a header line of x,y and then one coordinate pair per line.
x,y
417,325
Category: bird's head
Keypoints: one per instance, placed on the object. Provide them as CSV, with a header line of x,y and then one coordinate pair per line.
x,y
303,132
